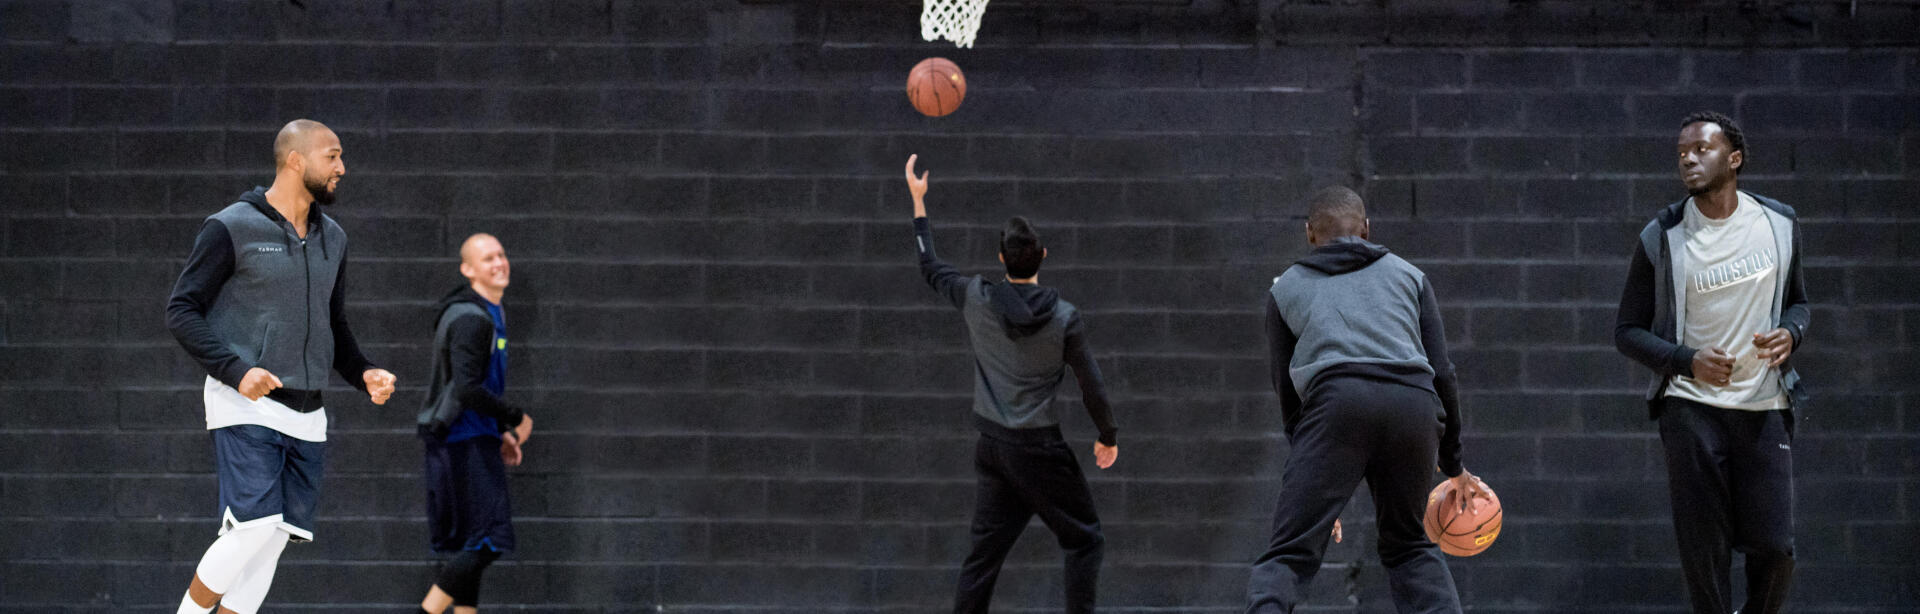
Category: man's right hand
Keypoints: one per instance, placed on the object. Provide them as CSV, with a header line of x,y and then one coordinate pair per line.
x,y
257,383
1713,366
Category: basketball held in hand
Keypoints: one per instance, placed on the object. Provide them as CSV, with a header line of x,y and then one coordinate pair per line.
x,y
1462,533
936,87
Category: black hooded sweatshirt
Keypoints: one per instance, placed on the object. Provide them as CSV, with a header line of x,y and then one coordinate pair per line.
x,y
463,353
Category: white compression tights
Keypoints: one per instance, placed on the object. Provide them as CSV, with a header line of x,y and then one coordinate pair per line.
x,y
240,567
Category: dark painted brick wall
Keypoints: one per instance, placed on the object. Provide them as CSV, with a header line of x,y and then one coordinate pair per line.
x,y
748,399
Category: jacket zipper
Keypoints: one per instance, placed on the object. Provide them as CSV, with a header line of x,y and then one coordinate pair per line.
x,y
306,266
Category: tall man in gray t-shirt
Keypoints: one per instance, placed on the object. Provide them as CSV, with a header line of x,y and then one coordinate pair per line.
x,y
1715,304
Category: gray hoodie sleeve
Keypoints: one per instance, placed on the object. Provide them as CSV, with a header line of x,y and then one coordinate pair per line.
x,y
1632,330
1433,337
1280,342
347,358
1093,388
208,267
944,279
1794,315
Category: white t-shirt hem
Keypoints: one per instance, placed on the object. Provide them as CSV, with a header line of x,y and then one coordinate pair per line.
x,y
226,407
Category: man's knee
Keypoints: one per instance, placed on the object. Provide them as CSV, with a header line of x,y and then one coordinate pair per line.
x,y
1089,541
1773,552
1397,549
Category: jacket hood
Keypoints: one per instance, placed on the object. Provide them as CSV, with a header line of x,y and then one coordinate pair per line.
x,y
258,198
1343,255
461,294
1023,308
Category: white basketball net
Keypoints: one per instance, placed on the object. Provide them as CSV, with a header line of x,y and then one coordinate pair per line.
x,y
954,20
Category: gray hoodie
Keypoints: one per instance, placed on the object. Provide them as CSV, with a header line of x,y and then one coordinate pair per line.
x,y
1648,326
256,294
1024,336
1351,309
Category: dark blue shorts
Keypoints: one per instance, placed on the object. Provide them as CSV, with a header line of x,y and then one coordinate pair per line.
x,y
467,504
267,477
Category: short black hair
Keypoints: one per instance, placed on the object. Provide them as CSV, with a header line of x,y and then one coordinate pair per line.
x,y
1336,211
1020,247
1735,137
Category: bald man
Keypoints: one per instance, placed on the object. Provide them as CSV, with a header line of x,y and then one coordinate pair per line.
x,y
1359,360
471,433
261,307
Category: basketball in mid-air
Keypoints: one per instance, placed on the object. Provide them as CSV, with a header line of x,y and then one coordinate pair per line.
x,y
1462,533
936,87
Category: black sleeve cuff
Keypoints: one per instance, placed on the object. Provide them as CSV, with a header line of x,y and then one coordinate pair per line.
x,y
513,420
357,377
1681,362
233,373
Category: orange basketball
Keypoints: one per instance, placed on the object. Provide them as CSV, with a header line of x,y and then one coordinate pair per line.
x,y
936,87
1462,533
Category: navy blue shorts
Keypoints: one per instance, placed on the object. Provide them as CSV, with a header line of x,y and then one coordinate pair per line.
x,y
267,477
467,504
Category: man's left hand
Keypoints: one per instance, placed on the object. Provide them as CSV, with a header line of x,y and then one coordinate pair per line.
x,y
1775,346
510,449
1104,455
379,385
1468,488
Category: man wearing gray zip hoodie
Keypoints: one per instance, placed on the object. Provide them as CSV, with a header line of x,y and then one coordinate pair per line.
x,y
1359,360
1024,337
1715,305
261,307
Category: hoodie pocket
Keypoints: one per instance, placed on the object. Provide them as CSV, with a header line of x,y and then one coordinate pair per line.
x,y
266,336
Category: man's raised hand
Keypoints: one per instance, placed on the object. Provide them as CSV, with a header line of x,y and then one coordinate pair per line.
x,y
918,186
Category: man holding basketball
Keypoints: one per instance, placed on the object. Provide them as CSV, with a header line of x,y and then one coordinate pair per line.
x,y
261,306
1359,360
1024,337
1715,305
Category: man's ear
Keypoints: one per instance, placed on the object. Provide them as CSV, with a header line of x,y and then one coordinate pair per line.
x,y
1043,253
1366,228
1002,257
1734,161
1309,227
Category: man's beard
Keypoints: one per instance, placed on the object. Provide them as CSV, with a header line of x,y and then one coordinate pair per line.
x,y
319,190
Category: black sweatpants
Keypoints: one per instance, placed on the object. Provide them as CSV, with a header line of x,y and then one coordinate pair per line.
x,y
1730,473
1023,472
1353,429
